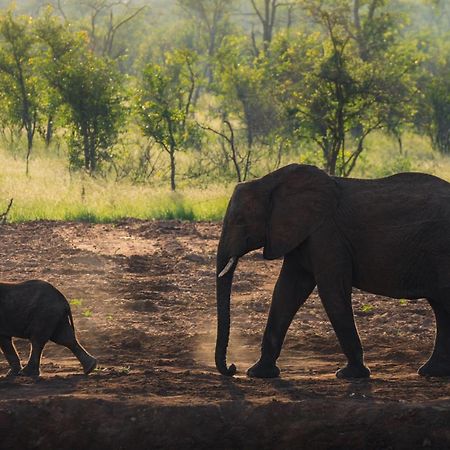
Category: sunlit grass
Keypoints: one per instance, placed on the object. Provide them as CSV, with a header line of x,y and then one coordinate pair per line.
x,y
383,157
51,192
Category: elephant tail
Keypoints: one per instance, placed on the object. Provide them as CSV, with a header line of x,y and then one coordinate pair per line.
x,y
69,314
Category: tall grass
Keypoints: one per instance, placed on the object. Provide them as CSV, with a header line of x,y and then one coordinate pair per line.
x,y
52,192
383,157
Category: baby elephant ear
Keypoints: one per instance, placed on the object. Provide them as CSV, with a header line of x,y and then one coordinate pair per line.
x,y
304,197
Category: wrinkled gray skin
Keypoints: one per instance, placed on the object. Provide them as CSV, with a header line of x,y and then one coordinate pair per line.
x,y
389,237
37,311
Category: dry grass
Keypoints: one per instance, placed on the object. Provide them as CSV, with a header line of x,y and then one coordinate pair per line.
x,y
52,192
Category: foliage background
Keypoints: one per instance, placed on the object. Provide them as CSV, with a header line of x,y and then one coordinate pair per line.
x,y
155,109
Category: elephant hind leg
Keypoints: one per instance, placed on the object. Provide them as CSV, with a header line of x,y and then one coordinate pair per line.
x,y
65,335
335,294
11,355
438,365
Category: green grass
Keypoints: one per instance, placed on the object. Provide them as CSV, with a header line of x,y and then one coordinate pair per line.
x,y
75,302
87,313
366,308
51,192
383,158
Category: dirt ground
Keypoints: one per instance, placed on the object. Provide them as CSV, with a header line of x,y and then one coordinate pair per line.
x,y
142,296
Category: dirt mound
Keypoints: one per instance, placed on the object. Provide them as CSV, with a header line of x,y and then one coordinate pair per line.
x,y
238,424
142,295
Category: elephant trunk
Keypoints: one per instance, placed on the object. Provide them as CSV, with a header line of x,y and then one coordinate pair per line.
x,y
224,279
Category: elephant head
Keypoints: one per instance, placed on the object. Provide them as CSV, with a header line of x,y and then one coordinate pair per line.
x,y
278,212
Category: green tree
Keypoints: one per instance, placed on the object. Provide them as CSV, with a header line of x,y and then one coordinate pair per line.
x,y
433,104
19,81
372,26
210,20
267,11
89,87
334,95
165,104
245,102
434,112
103,20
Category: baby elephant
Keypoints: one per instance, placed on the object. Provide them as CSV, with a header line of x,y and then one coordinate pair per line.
x,y
37,311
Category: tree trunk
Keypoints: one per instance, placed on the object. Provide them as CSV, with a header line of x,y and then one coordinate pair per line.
x,y
92,155
172,169
29,148
86,150
49,131
400,144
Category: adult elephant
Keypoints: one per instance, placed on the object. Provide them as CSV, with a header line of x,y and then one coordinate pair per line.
x,y
389,236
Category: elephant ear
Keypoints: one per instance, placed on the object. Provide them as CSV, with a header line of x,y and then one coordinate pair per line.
x,y
302,198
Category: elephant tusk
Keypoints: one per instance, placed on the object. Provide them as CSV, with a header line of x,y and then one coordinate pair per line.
x,y
227,267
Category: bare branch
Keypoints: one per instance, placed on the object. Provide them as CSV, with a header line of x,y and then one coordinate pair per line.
x,y
114,28
130,17
234,153
191,89
261,18
4,215
61,10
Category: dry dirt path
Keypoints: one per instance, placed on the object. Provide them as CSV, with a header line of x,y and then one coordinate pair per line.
x,y
143,303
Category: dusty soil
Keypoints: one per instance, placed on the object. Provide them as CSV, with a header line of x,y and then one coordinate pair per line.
x,y
143,301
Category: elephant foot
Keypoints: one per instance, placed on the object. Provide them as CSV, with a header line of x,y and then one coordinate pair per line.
x,y
352,371
29,372
89,366
263,370
435,369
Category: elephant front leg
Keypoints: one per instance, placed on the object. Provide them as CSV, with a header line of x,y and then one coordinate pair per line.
x,y
34,361
11,355
336,299
293,287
